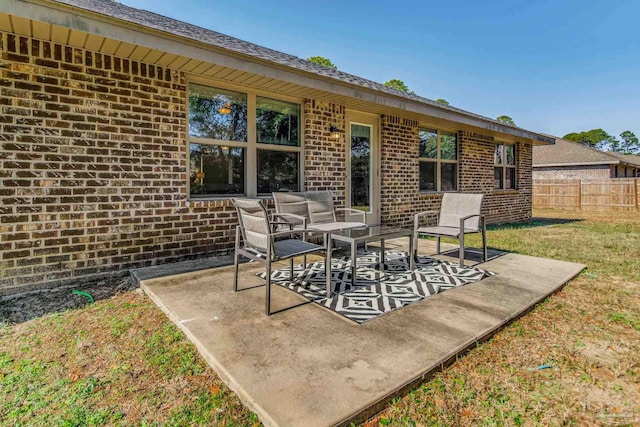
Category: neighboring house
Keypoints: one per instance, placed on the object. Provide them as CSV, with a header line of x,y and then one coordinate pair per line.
x,y
125,133
571,160
629,165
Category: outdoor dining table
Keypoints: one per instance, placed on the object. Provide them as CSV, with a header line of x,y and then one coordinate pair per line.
x,y
356,236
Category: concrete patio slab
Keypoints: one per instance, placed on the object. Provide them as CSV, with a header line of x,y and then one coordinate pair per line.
x,y
308,366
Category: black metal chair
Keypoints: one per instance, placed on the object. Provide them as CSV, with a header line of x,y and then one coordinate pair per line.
x,y
260,242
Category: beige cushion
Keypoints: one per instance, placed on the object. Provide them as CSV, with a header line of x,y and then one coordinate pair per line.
x,y
445,231
320,204
458,205
255,222
291,203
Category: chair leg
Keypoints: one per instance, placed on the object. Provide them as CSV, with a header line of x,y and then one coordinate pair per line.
x,y
461,250
290,268
235,272
268,308
414,252
484,241
327,267
354,271
236,261
438,244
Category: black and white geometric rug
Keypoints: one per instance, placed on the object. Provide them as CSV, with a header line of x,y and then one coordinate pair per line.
x,y
376,292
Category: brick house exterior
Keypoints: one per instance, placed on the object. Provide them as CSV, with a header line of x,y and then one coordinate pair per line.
x,y
581,172
570,160
94,155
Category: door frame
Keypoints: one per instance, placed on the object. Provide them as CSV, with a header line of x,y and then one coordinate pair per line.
x,y
373,121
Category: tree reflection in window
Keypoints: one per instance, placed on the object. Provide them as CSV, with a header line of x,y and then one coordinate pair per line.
x,y
429,144
277,122
438,158
216,169
206,120
505,167
277,171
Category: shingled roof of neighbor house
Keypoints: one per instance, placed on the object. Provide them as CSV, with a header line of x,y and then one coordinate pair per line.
x,y
632,159
565,153
151,20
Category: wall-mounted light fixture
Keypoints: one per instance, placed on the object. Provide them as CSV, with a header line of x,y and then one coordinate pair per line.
x,y
335,132
225,109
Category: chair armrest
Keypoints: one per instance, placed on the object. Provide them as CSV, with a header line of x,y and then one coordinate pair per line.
x,y
416,217
290,232
288,224
355,212
462,220
286,216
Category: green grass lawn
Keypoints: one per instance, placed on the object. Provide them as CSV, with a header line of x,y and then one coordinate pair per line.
x,y
122,362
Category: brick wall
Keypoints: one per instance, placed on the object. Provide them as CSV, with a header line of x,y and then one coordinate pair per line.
x,y
94,161
400,175
399,172
573,172
476,176
325,157
93,173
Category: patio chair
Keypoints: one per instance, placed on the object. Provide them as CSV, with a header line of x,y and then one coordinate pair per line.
x,y
314,209
459,214
259,242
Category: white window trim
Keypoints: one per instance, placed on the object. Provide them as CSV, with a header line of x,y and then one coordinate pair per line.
x,y
439,160
251,146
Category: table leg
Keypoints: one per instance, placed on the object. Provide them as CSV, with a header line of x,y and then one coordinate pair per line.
x,y
354,247
327,263
381,254
411,254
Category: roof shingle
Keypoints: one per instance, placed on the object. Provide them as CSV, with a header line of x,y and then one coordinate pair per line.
x,y
568,152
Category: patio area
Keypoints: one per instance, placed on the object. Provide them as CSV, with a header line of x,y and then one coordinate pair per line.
x,y
309,366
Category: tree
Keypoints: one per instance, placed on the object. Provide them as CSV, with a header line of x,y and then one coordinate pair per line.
x,y
506,120
321,60
595,138
397,84
442,101
629,143
400,85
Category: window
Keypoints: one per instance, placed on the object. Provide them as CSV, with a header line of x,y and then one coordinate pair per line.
x,y
277,125
504,171
217,140
224,157
438,160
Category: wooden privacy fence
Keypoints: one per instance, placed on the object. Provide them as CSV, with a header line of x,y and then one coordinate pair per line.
x,y
621,194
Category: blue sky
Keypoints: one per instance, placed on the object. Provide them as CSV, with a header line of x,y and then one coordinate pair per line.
x,y
553,66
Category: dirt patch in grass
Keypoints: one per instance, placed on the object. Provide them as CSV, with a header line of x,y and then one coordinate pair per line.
x,y
119,361
30,305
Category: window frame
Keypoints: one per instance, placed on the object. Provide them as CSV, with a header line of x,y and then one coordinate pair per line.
x,y
251,146
439,160
506,167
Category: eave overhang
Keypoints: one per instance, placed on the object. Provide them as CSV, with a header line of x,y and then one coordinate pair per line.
x,y
83,28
